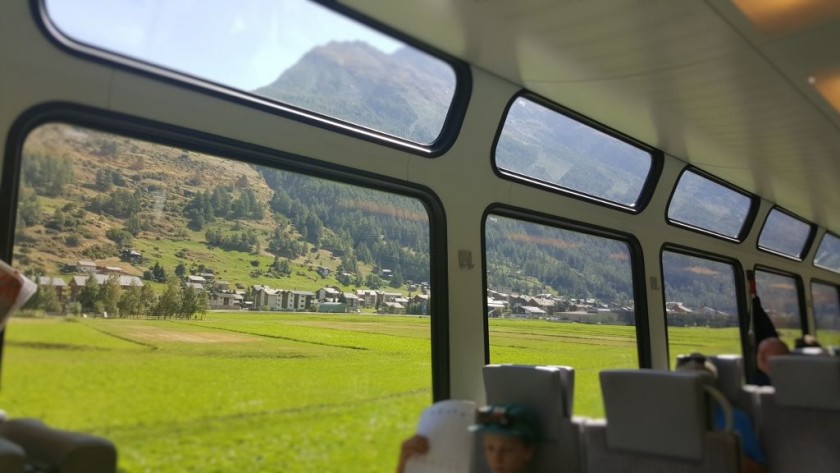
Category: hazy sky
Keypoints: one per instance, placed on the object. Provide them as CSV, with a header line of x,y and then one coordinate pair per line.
x,y
241,43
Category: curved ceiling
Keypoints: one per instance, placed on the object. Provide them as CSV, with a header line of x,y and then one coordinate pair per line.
x,y
696,79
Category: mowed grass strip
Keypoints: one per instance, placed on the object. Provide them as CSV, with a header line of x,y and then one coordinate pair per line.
x,y
229,398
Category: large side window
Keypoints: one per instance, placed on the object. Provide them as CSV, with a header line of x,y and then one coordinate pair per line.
x,y
826,301
214,315
542,146
703,204
701,305
561,297
293,52
779,296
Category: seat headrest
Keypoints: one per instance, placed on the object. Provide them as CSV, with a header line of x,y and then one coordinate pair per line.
x,y
806,381
656,412
730,374
548,390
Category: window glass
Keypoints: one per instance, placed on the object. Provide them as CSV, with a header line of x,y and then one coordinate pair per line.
x,y
784,234
701,306
541,145
294,52
560,297
702,203
828,254
780,299
177,306
826,313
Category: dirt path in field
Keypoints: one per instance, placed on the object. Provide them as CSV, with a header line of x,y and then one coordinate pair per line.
x,y
154,334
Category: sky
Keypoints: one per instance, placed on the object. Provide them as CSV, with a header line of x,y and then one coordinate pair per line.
x,y
243,44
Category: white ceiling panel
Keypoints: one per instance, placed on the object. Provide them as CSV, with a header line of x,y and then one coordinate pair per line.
x,y
694,78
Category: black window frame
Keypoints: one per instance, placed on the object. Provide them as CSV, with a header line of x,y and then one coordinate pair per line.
x,y
648,187
740,290
806,246
822,282
814,259
800,292
749,220
450,127
226,148
643,341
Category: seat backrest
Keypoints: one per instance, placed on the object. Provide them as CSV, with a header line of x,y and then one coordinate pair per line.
x,y
60,450
800,415
657,421
549,391
730,382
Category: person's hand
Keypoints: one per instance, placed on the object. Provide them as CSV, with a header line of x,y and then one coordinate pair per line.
x,y
416,445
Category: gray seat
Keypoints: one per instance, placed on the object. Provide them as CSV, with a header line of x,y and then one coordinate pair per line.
x,y
548,390
800,415
60,451
730,382
12,457
657,421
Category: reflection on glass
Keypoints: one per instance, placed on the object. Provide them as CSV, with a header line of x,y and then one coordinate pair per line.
x,y
780,299
828,254
295,52
826,313
560,297
784,234
542,145
701,306
707,205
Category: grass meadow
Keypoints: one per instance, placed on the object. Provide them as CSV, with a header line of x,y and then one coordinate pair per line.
x,y
261,392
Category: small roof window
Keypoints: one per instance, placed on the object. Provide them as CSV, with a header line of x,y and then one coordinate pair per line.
x,y
544,147
703,204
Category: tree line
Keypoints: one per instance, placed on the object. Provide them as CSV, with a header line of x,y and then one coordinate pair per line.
x,y
109,298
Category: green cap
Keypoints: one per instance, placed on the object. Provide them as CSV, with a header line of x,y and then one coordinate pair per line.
x,y
512,420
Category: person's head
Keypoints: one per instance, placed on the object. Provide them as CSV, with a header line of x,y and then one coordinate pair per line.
x,y
768,348
697,362
510,434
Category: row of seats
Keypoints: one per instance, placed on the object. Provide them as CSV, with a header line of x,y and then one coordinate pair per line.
x,y
28,445
660,421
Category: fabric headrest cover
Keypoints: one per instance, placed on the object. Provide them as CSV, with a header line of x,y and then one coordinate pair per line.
x,y
806,381
545,389
656,412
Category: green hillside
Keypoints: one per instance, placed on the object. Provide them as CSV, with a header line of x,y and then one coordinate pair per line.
x,y
88,195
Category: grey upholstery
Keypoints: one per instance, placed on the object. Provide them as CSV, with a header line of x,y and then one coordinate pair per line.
x,y
796,379
657,421
549,390
730,382
11,457
800,416
59,450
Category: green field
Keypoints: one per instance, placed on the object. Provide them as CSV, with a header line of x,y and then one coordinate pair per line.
x,y
262,392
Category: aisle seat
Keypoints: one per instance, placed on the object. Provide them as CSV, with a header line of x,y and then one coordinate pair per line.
x,y
657,421
548,390
800,414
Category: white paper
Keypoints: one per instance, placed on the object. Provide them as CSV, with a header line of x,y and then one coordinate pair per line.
x,y
446,425
15,290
